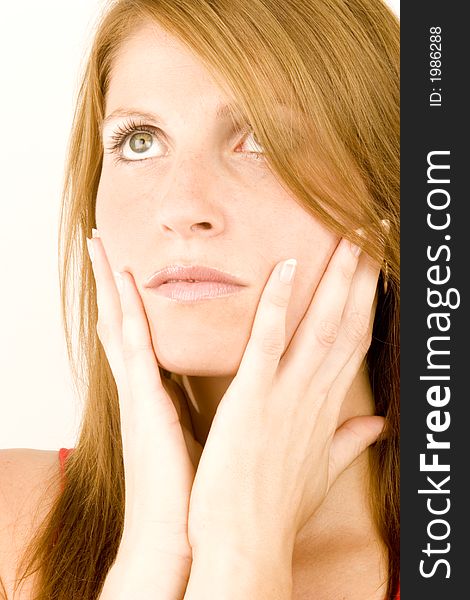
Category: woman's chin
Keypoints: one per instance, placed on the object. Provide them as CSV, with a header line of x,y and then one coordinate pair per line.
x,y
213,346
210,356
199,366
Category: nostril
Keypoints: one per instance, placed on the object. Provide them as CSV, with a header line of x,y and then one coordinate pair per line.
x,y
203,225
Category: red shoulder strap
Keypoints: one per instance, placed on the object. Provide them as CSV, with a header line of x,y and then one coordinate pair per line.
x,y
63,453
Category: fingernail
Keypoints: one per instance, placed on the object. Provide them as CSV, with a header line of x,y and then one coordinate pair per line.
x,y
287,271
89,244
119,281
356,250
95,233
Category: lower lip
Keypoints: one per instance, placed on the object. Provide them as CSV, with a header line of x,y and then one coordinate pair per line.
x,y
185,291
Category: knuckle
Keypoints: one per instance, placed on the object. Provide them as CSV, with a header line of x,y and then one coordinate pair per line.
x,y
346,271
356,327
327,333
272,344
279,300
134,351
365,343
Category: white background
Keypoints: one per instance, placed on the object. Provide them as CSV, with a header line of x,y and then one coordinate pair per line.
x,y
42,48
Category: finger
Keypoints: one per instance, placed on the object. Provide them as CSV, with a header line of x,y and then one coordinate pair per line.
x,y
109,308
350,440
353,334
137,377
143,374
319,328
344,381
268,335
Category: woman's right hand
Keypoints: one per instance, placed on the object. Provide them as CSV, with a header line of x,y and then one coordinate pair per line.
x,y
160,453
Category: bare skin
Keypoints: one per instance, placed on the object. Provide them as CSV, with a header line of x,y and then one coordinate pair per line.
x,y
149,216
338,553
191,178
319,551
25,497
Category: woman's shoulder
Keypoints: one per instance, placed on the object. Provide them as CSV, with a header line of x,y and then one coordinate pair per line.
x,y
28,487
24,471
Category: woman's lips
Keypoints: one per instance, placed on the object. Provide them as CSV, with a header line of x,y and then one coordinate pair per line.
x,y
185,291
192,283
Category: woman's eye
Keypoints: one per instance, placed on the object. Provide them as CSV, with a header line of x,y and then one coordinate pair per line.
x,y
256,148
139,145
135,142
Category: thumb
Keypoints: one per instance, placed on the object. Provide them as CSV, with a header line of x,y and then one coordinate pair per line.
x,y
350,440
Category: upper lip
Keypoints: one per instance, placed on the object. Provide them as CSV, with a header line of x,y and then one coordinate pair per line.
x,y
186,272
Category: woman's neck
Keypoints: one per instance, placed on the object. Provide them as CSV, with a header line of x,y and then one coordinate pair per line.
x,y
205,393
343,526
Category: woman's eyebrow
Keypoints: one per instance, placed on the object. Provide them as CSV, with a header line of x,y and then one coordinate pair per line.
x,y
223,112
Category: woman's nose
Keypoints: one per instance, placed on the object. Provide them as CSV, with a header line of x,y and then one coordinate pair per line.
x,y
190,203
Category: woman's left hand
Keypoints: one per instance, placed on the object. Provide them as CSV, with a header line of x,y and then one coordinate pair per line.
x,y
274,448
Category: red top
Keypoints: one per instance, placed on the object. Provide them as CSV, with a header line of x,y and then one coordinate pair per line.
x,y
64,452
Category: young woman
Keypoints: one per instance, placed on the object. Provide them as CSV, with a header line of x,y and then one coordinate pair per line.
x,y
238,324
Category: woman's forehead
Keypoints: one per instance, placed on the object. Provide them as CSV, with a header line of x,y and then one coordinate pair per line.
x,y
152,63
152,47
156,77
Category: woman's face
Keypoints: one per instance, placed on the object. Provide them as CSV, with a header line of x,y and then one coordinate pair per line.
x,y
192,168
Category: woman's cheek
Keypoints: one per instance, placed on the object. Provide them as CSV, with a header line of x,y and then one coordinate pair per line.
x,y
306,281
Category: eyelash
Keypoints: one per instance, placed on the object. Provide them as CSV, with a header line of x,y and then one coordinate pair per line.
x,y
130,126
